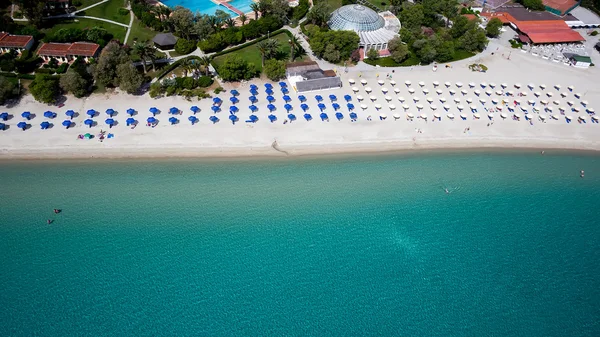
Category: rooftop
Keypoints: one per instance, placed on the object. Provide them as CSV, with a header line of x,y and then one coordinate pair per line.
x,y
14,41
357,18
63,49
165,39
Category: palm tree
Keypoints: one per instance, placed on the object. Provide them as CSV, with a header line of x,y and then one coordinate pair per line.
x,y
294,46
141,50
230,23
196,66
186,66
243,18
205,63
264,7
151,53
254,8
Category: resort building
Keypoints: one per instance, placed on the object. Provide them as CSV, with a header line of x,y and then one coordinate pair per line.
x,y
582,18
375,30
18,43
165,41
67,52
308,76
580,61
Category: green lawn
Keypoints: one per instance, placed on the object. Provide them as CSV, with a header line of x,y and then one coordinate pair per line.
x,y
108,10
381,4
139,32
118,32
85,3
333,4
251,53
413,60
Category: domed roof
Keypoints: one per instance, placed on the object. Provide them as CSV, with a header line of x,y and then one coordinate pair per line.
x,y
355,17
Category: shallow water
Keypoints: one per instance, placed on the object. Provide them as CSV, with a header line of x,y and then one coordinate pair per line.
x,y
330,246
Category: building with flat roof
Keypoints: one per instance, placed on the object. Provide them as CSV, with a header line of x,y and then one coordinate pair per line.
x,y
580,61
18,43
67,52
308,76
582,18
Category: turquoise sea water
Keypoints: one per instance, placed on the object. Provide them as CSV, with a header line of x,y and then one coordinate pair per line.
x,y
329,246
209,7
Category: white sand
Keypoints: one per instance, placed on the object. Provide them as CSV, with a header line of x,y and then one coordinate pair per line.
x,y
315,137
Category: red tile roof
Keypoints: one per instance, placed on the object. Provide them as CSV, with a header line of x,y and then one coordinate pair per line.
x,y
84,49
549,32
14,41
63,49
54,49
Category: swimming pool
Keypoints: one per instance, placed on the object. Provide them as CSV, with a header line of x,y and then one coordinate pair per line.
x,y
209,7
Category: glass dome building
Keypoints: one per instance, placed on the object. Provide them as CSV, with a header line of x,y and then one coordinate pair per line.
x,y
375,30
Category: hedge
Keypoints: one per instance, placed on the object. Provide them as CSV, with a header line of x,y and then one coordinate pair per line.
x,y
174,65
277,32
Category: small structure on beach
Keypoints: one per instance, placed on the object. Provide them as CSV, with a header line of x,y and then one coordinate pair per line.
x,y
165,41
308,76
580,61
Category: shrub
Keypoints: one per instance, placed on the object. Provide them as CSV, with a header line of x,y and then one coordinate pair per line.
x,y
76,3
274,69
373,54
62,68
218,90
123,11
188,83
594,33
205,81
184,46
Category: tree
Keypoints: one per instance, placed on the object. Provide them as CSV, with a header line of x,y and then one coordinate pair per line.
x,y
44,88
274,69
74,83
294,47
492,29
449,8
183,46
535,5
182,20
473,40
33,10
221,17
331,54
268,49
398,50
234,68
186,66
460,26
8,89
254,7
105,70
243,18
205,62
142,51
130,80
230,23
412,16
355,56
334,45
264,6
203,26
319,14
445,51
373,54
280,9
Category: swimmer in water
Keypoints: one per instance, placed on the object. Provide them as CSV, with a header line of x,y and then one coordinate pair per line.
x,y
582,174
446,189
49,221
542,153
56,211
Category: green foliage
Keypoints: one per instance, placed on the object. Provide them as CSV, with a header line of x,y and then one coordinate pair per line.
x,y
412,16
334,46
130,79
205,81
398,50
594,33
515,44
274,69
235,68
123,11
67,35
184,46
73,82
535,5
373,54
8,89
473,40
76,3
45,89
492,29
218,90
33,10
300,11
105,70
319,14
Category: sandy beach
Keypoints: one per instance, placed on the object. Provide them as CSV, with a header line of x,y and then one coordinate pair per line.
x,y
301,137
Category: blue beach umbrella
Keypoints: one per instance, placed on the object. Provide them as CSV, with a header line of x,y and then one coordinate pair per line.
x,y
288,107
174,111
254,92
253,87
350,106
217,100
268,86
213,119
339,116
253,108
70,113
302,98
321,106
323,116
194,109
4,116
89,122
332,97
304,107
233,118
92,112
173,120
252,99
45,125
285,90
353,116
151,120
26,115
153,111
282,84
292,117
49,114
307,117
287,98
272,118
234,92
110,112
348,98
270,98
233,99
110,122
319,98
193,119
269,91
131,112
252,119
215,108
67,123
271,107
2,126
233,109
22,125
130,121
335,106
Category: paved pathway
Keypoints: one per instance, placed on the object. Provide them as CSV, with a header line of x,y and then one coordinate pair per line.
x,y
130,23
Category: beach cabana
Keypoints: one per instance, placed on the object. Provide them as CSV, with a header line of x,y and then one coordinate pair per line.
x,y
89,122
234,92
152,110
174,111
304,107
492,85
335,106
392,107
355,89
131,112
269,92
215,108
351,81
471,85
194,109
350,106
388,98
214,119
348,98
252,119
193,119
308,117
321,106
132,121
67,123
302,98
233,99
373,98
272,118
233,109
4,116
26,115
292,117
270,99
233,118
287,107
271,107
49,114
380,82
364,106
324,116
459,84
287,98
45,125
253,108
450,116
110,122
22,125
319,98
110,112
252,99
353,116
339,116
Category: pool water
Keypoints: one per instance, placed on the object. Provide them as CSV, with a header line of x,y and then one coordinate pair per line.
x,y
209,7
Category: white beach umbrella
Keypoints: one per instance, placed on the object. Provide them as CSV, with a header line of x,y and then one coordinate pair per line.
x,y
460,107
492,85
518,101
456,100
429,99
459,84
439,92
510,92
359,97
549,108
574,109
544,102
392,82
463,116
564,94
488,92
411,90
463,91
363,106
499,107
578,95
447,84
504,85
543,86
355,89
476,116
555,117
531,101
377,106
436,115
419,106
396,90
537,94
405,107
372,98
498,92
570,88
382,116
549,94
433,107
536,109
483,84
584,103
562,108
351,81
425,91
401,99
392,107
582,117
494,100
469,100
595,118
446,107
396,116
531,86
416,98
452,92
424,116
517,85
482,100
473,107
523,93
380,82
556,102
570,103
363,81
450,116
542,117
524,108
384,89
388,98
408,83
591,111
568,117
471,84
557,86
422,84
435,83
503,115
410,115
368,89
517,115
491,116
442,99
